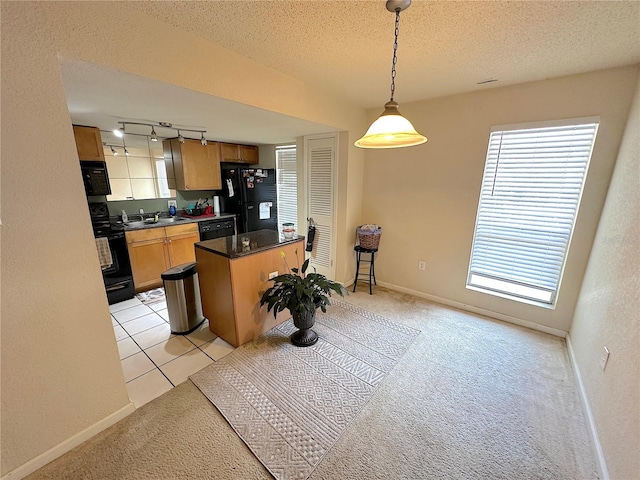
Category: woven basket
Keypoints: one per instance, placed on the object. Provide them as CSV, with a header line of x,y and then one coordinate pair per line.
x,y
369,239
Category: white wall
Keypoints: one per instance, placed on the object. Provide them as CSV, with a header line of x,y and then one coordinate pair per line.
x,y
426,197
607,313
60,364
60,367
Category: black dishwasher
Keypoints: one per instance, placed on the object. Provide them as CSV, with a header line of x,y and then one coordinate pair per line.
x,y
216,228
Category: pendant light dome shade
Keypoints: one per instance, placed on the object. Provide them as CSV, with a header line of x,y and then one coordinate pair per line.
x,y
391,130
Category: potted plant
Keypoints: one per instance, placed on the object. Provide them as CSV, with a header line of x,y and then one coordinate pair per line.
x,y
302,293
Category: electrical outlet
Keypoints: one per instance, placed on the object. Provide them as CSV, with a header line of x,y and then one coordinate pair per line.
x,y
273,275
141,211
422,265
604,358
172,203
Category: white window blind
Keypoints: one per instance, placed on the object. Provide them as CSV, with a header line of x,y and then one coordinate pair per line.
x,y
531,188
287,181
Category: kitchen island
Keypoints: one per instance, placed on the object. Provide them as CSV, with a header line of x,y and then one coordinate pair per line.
x,y
233,277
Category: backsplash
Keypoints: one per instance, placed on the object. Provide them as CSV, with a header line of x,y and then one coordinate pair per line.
x,y
183,199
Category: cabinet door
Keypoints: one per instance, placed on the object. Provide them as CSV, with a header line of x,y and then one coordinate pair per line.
x,y
88,143
192,166
181,248
229,152
149,259
214,160
168,163
249,154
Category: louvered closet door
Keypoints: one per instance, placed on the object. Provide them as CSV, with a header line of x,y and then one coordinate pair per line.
x,y
320,154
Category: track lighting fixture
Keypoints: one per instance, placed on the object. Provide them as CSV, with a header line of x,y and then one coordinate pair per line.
x,y
113,150
119,132
391,129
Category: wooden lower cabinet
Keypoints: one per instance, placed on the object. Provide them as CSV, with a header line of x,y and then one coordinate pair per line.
x,y
153,251
181,249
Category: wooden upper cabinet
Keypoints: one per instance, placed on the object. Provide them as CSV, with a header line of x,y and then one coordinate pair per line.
x,y
249,154
88,143
231,152
168,163
194,166
214,158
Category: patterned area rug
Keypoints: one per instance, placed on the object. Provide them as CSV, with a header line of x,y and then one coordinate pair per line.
x,y
290,405
152,296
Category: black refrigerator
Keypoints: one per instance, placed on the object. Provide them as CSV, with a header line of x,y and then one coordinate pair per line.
x,y
250,193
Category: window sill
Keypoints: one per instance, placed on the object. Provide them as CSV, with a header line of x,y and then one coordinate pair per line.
x,y
512,297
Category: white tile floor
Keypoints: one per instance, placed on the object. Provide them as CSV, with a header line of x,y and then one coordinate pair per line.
x,y
154,361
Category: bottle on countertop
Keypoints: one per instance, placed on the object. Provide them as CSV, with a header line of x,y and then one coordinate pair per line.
x,y
125,218
172,210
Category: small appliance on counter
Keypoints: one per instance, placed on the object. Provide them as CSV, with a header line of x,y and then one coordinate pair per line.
x,y
113,254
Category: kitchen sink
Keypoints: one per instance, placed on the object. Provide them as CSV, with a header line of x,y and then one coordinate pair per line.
x,y
149,221
138,223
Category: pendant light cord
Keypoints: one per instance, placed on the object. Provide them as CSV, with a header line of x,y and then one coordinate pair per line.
x,y
395,49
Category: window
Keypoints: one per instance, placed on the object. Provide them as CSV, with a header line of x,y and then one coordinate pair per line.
x,y
287,180
137,170
531,188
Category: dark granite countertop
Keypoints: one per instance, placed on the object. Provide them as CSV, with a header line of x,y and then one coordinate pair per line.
x,y
140,225
259,241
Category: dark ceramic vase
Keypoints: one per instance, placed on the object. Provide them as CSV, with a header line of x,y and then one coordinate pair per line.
x,y
305,336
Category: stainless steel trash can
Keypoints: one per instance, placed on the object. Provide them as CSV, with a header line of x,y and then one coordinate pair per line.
x,y
183,298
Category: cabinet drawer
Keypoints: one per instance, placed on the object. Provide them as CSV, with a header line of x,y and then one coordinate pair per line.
x,y
146,234
181,229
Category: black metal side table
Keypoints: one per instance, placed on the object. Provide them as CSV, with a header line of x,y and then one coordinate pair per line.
x,y
372,268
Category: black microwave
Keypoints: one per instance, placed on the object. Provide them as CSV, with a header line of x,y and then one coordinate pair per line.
x,y
95,177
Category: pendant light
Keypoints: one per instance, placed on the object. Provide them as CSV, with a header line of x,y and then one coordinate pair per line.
x,y
391,129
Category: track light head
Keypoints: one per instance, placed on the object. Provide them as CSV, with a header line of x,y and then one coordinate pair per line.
x,y
203,140
126,152
180,137
154,137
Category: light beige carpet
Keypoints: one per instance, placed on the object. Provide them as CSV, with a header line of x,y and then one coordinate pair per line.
x,y
290,405
472,398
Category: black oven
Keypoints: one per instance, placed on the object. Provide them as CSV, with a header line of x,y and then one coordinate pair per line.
x,y
118,279
216,228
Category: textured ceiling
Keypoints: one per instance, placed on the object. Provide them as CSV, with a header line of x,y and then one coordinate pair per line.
x,y
444,47
345,47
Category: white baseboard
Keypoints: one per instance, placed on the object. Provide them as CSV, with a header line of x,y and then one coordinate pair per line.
x,y
602,464
479,311
70,443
